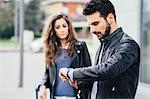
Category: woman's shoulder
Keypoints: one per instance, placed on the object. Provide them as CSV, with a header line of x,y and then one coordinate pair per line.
x,y
80,43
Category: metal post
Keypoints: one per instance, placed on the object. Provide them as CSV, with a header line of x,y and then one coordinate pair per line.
x,y
141,22
16,19
141,40
21,29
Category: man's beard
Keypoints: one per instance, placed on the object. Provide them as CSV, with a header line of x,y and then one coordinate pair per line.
x,y
107,31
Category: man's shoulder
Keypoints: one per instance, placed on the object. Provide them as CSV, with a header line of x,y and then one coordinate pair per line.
x,y
126,37
129,39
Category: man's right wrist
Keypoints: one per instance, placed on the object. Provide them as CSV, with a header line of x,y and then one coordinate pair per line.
x,y
70,74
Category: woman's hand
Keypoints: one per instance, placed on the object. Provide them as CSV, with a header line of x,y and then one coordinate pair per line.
x,y
42,92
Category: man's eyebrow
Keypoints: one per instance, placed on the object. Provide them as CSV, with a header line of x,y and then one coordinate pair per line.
x,y
94,22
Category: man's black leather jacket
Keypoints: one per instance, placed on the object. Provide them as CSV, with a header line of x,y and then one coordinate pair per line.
x,y
118,72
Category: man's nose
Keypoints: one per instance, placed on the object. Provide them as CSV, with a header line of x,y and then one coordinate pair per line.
x,y
93,29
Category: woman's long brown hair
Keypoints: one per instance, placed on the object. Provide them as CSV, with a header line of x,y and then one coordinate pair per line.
x,y
51,41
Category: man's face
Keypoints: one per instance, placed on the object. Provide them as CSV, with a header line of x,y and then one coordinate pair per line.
x,y
98,25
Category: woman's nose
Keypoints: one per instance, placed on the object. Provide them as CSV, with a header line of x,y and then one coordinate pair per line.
x,y
62,29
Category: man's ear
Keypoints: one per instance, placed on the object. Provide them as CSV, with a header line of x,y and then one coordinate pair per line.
x,y
110,18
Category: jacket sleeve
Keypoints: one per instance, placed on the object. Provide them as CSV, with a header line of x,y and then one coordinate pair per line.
x,y
126,54
85,56
85,61
45,80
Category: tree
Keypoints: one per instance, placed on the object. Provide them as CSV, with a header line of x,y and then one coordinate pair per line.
x,y
33,16
6,20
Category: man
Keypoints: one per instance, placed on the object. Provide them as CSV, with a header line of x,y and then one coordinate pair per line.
x,y
116,70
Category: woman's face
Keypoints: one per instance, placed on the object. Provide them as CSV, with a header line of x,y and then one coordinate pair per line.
x,y
61,28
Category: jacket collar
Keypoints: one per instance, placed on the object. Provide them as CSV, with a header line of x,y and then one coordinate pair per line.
x,y
113,35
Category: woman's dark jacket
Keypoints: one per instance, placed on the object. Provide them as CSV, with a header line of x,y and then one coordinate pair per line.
x,y
81,58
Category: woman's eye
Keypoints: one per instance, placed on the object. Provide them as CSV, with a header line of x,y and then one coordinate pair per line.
x,y
57,27
64,26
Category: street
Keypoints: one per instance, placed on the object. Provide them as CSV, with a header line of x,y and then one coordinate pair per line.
x,y
9,80
33,73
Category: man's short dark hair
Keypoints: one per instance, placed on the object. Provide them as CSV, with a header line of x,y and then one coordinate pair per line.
x,y
104,7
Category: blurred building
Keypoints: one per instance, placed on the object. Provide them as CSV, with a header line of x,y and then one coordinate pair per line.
x,y
73,8
0,2
132,15
145,42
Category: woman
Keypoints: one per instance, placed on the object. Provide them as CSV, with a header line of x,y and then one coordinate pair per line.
x,y
62,49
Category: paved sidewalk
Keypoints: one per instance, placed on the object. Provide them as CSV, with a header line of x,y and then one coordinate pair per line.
x,y
143,91
33,71
8,48
9,74
13,48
